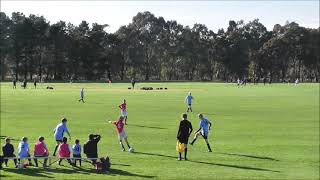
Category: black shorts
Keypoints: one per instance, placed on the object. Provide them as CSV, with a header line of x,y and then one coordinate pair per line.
x,y
183,140
189,105
58,141
77,156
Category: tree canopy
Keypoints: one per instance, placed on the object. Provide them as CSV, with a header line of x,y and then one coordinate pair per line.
x,y
151,48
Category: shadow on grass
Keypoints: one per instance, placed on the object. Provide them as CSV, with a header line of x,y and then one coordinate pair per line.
x,y
250,156
50,172
152,127
208,163
12,139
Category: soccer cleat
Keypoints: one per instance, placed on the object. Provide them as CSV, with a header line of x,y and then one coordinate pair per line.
x,y
209,150
191,143
186,159
179,159
123,149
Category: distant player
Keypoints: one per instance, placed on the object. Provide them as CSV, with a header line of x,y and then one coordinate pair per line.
x,y
58,133
14,82
185,129
121,133
189,100
238,82
123,111
133,82
24,85
81,95
35,84
203,130
296,82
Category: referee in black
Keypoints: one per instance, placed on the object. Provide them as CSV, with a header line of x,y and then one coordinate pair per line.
x,y
185,129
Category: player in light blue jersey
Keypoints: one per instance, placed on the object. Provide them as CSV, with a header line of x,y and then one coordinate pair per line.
x,y
81,95
205,126
59,131
189,100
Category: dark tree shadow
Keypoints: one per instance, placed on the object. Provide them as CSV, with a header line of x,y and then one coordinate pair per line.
x,y
152,127
250,156
118,164
12,139
208,163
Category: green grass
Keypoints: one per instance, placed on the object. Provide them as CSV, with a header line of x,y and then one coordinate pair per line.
x,y
260,132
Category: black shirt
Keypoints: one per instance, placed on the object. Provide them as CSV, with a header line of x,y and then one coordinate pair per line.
x,y
185,128
92,147
7,150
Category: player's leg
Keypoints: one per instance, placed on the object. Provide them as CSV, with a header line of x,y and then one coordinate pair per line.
x,y
35,161
205,137
122,146
126,140
185,149
190,106
56,148
195,138
125,119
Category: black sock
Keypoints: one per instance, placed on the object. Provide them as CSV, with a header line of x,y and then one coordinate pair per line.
x,y
185,153
55,150
209,148
180,155
194,140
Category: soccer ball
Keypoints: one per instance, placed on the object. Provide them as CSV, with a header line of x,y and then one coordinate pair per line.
x,y
131,150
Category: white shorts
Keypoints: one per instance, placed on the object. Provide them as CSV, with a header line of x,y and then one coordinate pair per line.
x,y
123,113
122,135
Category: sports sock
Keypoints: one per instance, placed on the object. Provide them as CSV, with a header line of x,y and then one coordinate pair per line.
x,y
194,140
209,148
55,150
185,153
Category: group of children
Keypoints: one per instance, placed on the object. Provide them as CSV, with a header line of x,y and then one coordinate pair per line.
x,y
40,151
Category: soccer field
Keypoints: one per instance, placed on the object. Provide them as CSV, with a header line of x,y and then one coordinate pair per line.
x,y
259,132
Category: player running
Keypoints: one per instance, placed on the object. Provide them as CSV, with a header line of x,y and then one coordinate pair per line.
x,y
205,126
58,133
123,111
189,100
185,129
81,95
121,133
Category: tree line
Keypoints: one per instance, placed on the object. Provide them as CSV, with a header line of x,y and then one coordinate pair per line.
x,y
151,48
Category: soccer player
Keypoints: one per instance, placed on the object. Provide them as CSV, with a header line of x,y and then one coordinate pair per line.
x,y
64,151
76,149
23,150
189,100
185,129
81,95
14,82
35,83
24,84
205,126
238,82
123,111
133,82
296,82
121,133
41,150
58,133
90,148
8,151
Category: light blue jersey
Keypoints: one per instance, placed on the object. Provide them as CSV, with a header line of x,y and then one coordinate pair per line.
x,y
82,93
189,99
76,149
204,125
59,131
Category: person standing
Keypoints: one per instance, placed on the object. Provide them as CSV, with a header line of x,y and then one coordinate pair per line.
x,y
35,83
133,82
76,150
24,84
123,111
184,131
59,131
205,126
90,148
14,82
189,100
81,95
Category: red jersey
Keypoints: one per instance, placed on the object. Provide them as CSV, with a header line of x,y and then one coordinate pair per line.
x,y
119,125
123,106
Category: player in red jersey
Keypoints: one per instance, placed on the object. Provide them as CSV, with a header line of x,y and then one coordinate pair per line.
x,y
123,111
121,133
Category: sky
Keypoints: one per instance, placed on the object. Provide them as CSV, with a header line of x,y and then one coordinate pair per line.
x,y
214,14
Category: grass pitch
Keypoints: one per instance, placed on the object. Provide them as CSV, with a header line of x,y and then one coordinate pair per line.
x,y
259,132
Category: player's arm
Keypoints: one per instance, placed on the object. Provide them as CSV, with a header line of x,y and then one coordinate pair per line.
x,y
210,124
179,130
191,129
67,131
97,138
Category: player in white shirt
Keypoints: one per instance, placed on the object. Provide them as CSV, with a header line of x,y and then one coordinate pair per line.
x,y
238,82
59,131
23,150
296,82
81,95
